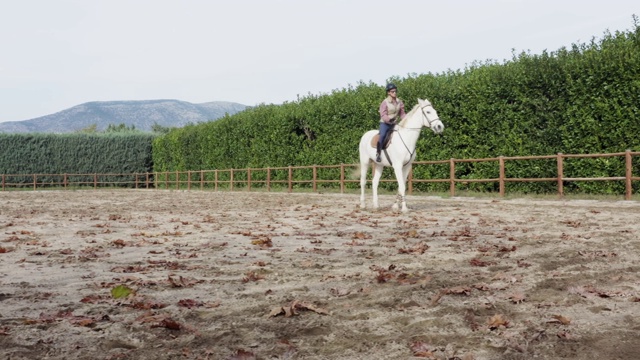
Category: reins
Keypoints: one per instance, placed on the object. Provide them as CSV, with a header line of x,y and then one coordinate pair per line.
x,y
411,153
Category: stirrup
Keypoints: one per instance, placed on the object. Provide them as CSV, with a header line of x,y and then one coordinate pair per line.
x,y
378,159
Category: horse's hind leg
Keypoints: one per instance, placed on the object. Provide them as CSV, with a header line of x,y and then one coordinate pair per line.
x,y
363,181
377,174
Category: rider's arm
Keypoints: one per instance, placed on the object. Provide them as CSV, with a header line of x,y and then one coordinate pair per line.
x,y
384,116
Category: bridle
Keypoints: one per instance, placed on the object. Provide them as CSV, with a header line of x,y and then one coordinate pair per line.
x,y
430,122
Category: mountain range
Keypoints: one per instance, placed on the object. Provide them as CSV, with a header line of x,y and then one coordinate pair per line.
x,y
143,114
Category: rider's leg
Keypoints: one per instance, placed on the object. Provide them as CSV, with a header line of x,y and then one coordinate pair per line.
x,y
384,129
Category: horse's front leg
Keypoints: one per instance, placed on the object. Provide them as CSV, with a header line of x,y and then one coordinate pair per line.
x,y
401,177
401,200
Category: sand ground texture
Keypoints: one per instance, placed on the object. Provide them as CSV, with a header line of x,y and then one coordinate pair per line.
x,y
146,274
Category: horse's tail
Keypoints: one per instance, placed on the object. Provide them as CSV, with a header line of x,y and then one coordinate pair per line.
x,y
354,174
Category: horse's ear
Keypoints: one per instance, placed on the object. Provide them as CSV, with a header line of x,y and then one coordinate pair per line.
x,y
421,102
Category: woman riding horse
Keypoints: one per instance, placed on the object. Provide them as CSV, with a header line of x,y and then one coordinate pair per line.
x,y
391,110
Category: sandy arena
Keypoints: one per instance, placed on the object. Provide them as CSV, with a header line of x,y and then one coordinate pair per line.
x,y
150,274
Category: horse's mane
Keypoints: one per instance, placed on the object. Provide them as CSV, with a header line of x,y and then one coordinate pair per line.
x,y
409,114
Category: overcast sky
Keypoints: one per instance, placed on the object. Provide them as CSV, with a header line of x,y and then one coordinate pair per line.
x,y
56,54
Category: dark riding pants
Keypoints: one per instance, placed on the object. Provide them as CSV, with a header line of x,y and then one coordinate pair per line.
x,y
384,131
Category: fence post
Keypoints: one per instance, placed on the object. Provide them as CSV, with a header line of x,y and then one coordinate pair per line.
x,y
248,179
501,180
452,177
136,181
177,180
315,174
188,179
628,174
215,180
2,182
201,179
560,176
146,180
342,179
231,180
64,181
290,178
268,179
95,181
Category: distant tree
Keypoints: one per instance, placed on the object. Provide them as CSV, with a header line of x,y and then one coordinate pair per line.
x,y
91,129
157,128
111,128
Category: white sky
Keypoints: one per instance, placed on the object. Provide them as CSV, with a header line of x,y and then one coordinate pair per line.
x,y
56,54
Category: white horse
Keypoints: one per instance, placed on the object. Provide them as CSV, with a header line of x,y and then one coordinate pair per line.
x,y
400,152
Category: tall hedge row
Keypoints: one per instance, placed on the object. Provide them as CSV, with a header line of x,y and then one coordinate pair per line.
x,y
112,153
577,100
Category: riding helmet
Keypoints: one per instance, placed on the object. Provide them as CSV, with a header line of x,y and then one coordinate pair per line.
x,y
391,86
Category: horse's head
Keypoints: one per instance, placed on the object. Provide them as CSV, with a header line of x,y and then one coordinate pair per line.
x,y
430,117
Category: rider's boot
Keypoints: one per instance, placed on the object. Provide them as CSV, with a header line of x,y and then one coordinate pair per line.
x,y
378,159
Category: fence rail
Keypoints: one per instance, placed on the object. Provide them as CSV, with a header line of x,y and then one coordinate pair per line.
x,y
315,175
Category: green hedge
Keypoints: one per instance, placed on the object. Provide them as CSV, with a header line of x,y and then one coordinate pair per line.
x,y
74,154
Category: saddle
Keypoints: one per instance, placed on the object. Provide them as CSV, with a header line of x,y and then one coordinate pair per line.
x,y
374,140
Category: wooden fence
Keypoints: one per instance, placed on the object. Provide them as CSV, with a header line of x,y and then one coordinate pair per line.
x,y
283,177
